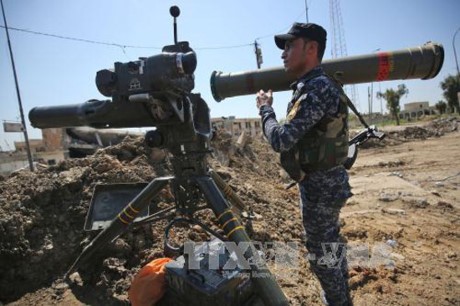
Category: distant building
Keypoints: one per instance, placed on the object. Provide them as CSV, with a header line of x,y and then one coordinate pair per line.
x,y
50,150
59,143
414,110
235,126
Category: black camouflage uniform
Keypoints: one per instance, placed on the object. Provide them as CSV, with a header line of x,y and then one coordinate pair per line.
x,y
317,100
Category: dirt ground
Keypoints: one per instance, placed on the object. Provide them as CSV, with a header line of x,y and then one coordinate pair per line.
x,y
402,224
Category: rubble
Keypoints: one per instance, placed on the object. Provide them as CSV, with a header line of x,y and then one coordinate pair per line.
x,y
42,216
395,136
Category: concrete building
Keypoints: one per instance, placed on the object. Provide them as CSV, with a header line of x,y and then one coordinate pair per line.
x,y
50,150
414,110
252,126
11,161
59,143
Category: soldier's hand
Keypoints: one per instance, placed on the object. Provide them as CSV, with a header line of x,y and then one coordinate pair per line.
x,y
264,98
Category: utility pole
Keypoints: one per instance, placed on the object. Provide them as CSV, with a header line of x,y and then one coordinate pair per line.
x,y
456,62
258,53
455,52
369,99
26,137
306,10
372,98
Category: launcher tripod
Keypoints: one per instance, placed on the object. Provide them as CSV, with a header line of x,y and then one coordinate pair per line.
x,y
156,92
192,181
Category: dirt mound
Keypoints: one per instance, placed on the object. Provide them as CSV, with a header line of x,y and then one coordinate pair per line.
x,y
42,213
42,216
393,136
444,125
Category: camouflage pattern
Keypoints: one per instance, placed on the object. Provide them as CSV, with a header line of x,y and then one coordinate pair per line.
x,y
326,145
327,250
323,192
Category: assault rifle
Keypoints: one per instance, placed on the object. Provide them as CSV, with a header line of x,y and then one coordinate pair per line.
x,y
363,136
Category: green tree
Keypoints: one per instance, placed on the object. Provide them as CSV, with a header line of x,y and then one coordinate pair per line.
x,y
441,106
392,97
451,87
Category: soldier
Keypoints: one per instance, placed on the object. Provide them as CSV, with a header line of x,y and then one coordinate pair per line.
x,y
313,143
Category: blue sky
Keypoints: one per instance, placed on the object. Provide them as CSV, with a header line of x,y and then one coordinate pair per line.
x,y
54,71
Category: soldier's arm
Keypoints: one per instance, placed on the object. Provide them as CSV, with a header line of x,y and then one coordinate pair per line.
x,y
306,112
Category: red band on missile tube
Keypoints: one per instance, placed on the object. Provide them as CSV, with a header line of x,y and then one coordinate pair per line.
x,y
385,66
250,84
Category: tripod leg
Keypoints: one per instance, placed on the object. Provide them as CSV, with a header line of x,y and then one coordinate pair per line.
x,y
227,191
264,282
121,221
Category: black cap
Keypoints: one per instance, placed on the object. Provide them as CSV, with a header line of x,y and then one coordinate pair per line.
x,y
306,30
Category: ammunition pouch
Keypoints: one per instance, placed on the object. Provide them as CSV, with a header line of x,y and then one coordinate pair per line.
x,y
325,146
321,153
290,163
299,160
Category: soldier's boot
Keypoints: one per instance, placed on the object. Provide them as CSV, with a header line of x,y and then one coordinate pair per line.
x,y
323,298
325,302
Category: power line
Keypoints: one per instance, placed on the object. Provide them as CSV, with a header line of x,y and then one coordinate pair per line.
x,y
125,46
224,47
80,39
283,29
112,44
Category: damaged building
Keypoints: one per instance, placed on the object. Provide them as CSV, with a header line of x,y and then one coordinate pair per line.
x,y
58,144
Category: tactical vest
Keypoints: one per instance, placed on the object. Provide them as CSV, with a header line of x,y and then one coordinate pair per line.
x,y
323,147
